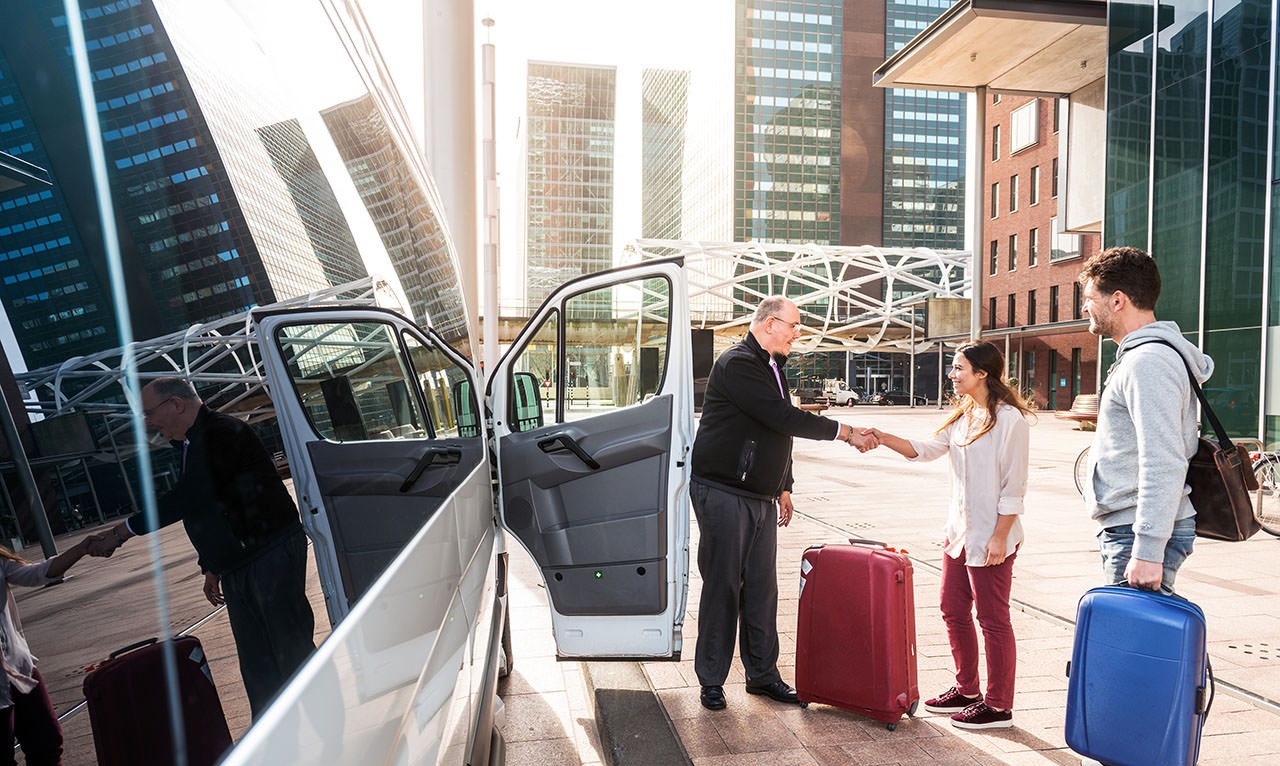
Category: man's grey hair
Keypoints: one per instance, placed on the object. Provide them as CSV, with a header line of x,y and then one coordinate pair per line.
x,y
769,307
171,387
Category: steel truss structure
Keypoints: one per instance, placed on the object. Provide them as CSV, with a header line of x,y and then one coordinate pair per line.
x,y
850,299
859,299
220,358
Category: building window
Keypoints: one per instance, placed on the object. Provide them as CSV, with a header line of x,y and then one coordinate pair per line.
x,y
995,255
995,199
1053,187
1029,385
1031,307
1013,193
1053,380
1033,247
991,313
1062,246
1013,310
1035,185
1077,299
995,142
1013,252
1053,304
1057,113
995,98
1024,126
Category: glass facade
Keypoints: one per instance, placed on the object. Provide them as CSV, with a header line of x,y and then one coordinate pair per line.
x,y
1189,118
787,121
664,115
924,144
570,174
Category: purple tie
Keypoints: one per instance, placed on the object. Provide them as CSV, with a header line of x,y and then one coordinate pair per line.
x,y
781,388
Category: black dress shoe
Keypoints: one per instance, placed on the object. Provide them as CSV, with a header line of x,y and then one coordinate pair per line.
x,y
713,697
778,690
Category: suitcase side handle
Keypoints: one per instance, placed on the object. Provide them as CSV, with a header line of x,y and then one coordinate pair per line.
x,y
131,647
1202,704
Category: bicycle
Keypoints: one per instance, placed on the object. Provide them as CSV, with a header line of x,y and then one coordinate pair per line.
x,y
1082,470
1266,506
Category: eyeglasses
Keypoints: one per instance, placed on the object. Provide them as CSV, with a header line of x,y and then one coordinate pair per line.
x,y
152,411
790,325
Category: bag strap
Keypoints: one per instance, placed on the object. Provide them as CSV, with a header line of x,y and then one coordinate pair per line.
x,y
1224,441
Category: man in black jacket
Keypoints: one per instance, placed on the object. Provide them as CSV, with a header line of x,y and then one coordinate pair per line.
x,y
245,528
741,473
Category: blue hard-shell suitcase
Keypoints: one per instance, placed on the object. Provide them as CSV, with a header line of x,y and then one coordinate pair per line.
x,y
1140,684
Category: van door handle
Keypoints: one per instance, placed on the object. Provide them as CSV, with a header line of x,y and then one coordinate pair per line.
x,y
563,441
447,456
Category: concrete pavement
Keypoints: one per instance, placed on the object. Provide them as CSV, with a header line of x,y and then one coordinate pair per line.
x,y
842,493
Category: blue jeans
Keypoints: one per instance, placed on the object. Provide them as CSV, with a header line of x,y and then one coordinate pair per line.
x,y
1116,546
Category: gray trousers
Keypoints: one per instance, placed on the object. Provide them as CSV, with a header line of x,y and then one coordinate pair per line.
x,y
271,618
737,551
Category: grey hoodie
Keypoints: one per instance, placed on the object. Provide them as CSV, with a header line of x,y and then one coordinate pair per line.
x,y
1146,435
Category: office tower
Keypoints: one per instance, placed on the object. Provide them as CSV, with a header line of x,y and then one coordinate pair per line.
x,y
664,116
569,167
218,197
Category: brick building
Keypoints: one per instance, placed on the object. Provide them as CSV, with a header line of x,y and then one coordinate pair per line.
x,y
1030,297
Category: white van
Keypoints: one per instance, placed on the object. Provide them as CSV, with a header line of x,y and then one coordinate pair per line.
x,y
409,478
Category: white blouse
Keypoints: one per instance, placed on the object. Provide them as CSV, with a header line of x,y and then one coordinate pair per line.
x,y
19,664
988,479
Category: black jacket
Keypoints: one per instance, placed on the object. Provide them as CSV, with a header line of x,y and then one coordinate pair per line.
x,y
230,498
744,437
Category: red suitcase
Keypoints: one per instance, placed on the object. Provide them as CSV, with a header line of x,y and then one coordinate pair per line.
x,y
129,706
856,638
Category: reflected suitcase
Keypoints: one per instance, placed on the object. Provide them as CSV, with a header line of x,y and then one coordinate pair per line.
x,y
129,706
1139,686
856,637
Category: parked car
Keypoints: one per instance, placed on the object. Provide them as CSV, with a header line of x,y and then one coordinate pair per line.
x,y
395,446
897,396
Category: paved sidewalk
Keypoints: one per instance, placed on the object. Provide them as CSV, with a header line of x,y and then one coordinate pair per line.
x,y
841,493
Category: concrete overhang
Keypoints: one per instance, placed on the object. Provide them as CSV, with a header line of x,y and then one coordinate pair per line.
x,y
1035,47
16,173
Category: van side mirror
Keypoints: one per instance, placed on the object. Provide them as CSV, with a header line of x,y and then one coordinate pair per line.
x,y
526,402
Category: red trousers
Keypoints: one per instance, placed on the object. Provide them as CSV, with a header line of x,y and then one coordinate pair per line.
x,y
987,589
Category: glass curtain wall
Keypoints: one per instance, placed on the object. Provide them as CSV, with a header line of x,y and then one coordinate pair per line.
x,y
1189,116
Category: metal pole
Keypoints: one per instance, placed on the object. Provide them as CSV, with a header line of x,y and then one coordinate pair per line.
x,y
489,154
977,172
28,479
88,476
115,449
911,387
940,365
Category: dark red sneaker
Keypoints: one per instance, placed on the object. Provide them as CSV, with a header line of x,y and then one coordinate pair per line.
x,y
979,715
950,701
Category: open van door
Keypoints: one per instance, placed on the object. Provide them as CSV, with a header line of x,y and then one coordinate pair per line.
x,y
592,414
382,426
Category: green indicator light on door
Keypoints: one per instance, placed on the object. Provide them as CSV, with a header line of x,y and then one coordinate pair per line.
x,y
599,574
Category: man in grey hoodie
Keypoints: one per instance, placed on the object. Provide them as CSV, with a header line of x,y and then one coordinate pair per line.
x,y
1146,425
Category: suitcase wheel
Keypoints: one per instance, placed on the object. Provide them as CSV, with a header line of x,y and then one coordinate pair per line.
x,y
804,705
911,711
891,726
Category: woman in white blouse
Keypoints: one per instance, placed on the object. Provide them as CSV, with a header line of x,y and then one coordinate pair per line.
x,y
986,438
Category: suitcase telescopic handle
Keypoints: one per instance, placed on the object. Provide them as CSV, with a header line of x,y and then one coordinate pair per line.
x,y
867,541
131,647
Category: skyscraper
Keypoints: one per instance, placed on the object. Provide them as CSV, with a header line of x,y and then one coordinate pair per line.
x,y
218,198
787,121
569,174
664,115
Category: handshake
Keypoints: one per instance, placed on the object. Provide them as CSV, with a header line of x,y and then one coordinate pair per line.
x,y
103,544
865,439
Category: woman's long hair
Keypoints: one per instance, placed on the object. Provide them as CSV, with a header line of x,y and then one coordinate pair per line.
x,y
8,554
984,357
